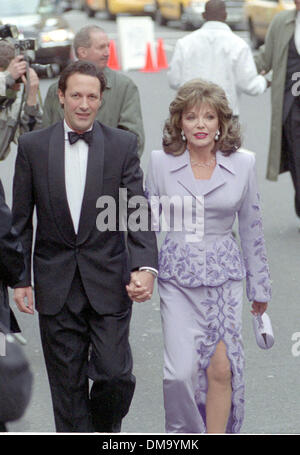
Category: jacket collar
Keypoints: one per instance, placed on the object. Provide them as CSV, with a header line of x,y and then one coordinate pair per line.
x,y
108,73
184,160
182,167
108,76
225,162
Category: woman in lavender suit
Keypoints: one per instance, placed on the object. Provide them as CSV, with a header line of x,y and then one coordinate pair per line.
x,y
202,175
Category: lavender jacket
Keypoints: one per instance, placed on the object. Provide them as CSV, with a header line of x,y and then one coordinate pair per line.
x,y
199,248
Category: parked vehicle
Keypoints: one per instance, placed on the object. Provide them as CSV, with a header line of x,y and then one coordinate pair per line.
x,y
114,7
259,14
189,12
39,20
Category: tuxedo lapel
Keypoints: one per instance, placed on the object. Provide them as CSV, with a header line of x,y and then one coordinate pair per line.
x,y
93,185
57,187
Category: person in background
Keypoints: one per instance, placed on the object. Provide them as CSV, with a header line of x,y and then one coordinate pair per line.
x,y
16,115
120,107
215,53
281,54
12,267
201,268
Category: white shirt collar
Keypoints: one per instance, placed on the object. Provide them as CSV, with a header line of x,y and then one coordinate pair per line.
x,y
67,128
215,25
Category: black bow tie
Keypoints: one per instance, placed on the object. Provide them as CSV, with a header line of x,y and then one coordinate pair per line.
x,y
87,137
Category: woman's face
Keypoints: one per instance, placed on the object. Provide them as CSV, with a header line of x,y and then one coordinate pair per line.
x,y
200,124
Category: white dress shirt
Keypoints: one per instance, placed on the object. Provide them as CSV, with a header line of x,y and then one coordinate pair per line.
x,y
218,55
297,32
76,156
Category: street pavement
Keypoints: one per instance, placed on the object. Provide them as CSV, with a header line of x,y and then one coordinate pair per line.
x,y
272,377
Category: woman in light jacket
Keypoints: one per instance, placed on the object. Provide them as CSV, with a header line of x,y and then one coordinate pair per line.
x,y
200,182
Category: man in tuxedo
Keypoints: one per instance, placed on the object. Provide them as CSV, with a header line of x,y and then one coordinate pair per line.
x,y
81,271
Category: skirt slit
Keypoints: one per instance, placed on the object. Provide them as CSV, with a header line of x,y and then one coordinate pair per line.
x,y
194,321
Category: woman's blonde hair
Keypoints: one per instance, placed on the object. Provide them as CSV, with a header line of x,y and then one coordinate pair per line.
x,y
195,93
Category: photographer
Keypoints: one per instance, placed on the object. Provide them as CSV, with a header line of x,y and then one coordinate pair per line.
x,y
19,108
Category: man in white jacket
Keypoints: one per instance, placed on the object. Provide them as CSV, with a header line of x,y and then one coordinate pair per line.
x,y
216,54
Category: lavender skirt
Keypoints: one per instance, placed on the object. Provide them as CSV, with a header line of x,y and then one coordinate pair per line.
x,y
194,321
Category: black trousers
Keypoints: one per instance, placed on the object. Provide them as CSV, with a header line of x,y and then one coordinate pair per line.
x,y
78,344
291,145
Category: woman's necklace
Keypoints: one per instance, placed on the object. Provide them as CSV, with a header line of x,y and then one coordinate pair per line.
x,y
209,163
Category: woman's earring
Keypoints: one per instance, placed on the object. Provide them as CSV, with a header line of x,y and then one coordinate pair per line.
x,y
217,135
183,136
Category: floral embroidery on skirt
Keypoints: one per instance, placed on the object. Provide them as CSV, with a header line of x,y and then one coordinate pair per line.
x,y
194,321
223,323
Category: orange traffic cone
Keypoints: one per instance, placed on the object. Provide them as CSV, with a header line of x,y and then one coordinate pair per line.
x,y
113,63
162,62
149,67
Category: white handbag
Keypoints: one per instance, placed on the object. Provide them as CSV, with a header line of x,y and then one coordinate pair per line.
x,y
263,330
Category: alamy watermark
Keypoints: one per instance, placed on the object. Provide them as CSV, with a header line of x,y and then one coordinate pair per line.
x,y
167,213
296,345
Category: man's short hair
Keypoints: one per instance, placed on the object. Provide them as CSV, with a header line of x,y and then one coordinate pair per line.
x,y
81,67
83,37
215,10
7,53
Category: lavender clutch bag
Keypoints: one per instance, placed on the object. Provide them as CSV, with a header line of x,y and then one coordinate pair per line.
x,y
263,331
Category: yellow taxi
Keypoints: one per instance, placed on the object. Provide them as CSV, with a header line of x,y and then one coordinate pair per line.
x,y
259,14
114,7
189,12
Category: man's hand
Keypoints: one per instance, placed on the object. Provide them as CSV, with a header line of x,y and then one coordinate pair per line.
x,y
269,82
17,67
24,299
33,87
141,286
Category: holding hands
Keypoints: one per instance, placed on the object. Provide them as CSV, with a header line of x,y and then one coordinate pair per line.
x,y
141,286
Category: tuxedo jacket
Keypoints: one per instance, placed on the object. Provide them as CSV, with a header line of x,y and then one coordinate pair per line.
x,y
102,257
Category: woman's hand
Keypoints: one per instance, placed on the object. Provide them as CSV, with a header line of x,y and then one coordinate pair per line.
x,y
259,307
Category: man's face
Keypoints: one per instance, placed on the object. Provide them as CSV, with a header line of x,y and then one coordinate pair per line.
x,y
98,52
81,101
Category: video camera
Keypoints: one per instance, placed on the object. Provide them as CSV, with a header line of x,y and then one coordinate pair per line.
x,y
22,47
